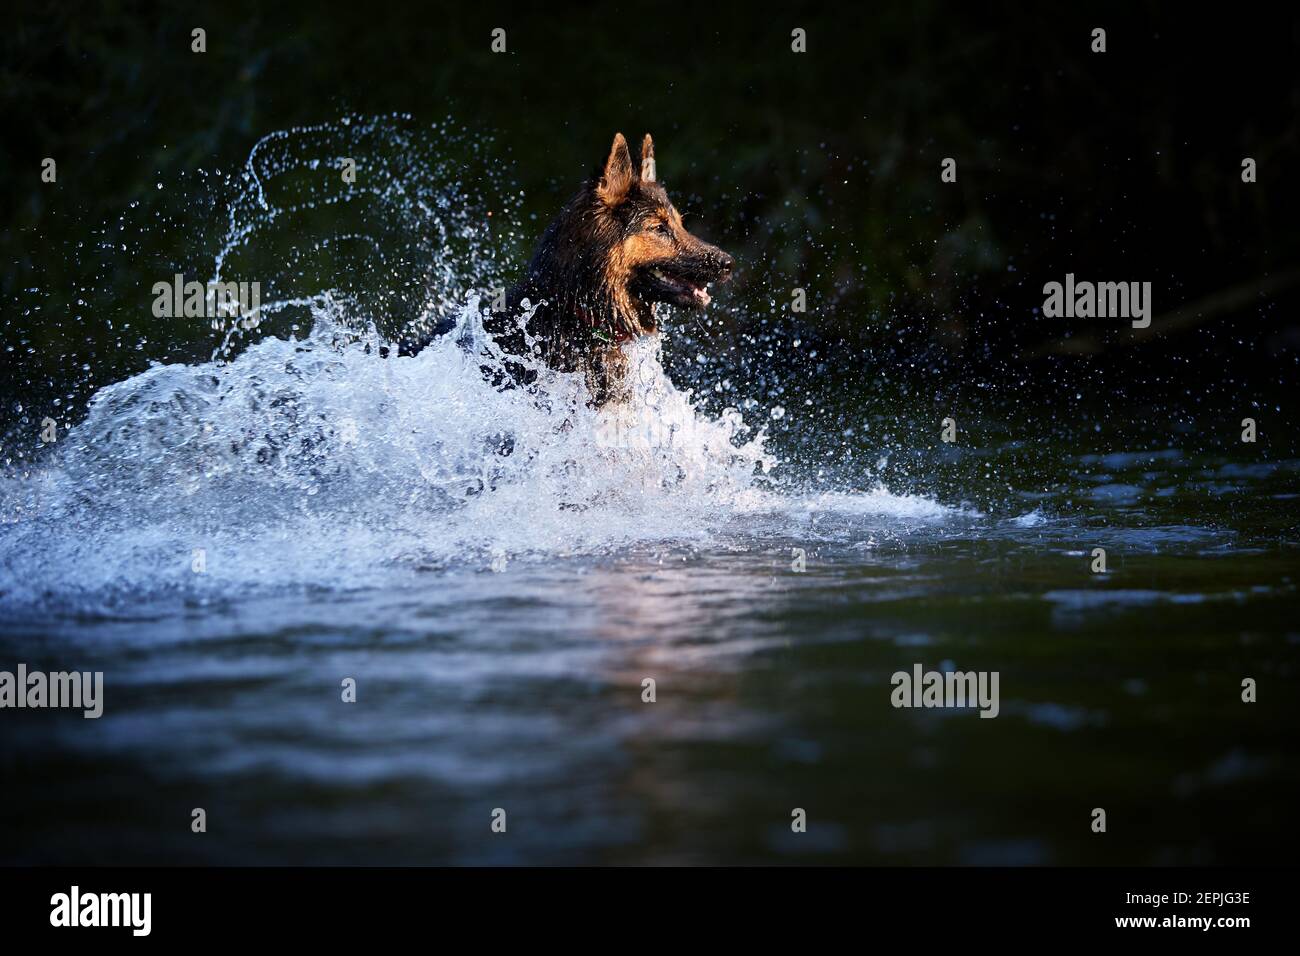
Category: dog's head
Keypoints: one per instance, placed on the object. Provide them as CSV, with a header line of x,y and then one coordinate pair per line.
x,y
657,260
647,257
619,248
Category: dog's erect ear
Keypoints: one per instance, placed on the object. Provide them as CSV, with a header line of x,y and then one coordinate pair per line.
x,y
647,159
618,176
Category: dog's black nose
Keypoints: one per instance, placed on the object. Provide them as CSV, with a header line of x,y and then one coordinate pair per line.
x,y
725,264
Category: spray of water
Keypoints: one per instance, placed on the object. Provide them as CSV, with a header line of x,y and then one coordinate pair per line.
x,y
325,459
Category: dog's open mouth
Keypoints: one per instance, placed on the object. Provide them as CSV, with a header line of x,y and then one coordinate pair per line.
x,y
663,285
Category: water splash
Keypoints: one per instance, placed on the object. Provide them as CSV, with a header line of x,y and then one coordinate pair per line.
x,y
327,460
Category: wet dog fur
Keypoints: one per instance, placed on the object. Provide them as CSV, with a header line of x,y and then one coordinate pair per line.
x,y
614,255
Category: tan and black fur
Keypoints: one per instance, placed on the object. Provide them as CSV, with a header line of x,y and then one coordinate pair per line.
x,y
616,251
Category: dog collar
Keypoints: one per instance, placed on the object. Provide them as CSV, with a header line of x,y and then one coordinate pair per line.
x,y
617,338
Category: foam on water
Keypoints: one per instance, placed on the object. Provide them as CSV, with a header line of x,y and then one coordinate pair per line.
x,y
316,461
319,462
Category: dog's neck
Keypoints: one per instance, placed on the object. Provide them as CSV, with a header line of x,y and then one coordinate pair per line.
x,y
600,318
618,336
571,336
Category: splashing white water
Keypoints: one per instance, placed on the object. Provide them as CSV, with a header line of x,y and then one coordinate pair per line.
x,y
312,461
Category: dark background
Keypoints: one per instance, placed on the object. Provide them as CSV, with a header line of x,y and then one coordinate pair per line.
x,y
818,170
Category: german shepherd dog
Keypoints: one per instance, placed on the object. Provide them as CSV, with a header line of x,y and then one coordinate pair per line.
x,y
616,252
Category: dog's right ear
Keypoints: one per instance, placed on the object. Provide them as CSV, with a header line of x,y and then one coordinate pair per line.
x,y
647,159
617,179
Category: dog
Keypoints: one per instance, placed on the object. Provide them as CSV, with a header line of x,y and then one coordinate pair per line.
x,y
602,268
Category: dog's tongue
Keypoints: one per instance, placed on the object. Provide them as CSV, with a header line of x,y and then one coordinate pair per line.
x,y
701,295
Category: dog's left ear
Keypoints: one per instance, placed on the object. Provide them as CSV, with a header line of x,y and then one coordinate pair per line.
x,y
647,159
616,180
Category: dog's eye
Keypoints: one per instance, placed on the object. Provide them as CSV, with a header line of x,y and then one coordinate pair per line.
x,y
663,229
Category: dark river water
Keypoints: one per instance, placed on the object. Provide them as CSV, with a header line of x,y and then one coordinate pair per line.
x,y
499,657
